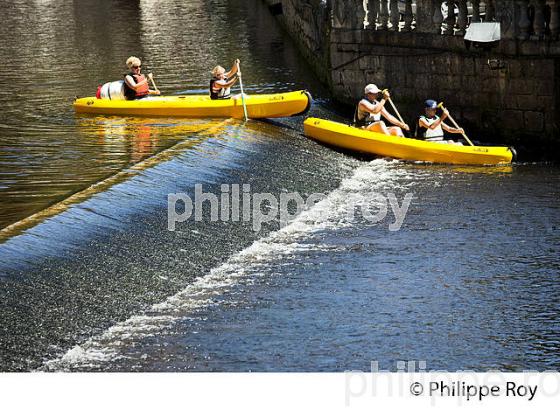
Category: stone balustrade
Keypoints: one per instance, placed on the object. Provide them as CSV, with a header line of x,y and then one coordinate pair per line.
x,y
520,19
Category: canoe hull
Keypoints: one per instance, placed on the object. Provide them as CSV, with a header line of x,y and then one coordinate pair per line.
x,y
198,106
359,140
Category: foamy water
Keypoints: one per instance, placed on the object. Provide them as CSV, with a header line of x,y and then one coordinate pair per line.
x,y
329,214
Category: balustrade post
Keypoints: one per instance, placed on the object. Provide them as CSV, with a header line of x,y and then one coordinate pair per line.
x,y
408,16
346,15
395,17
475,11
490,11
451,19
424,15
438,17
383,15
462,20
523,23
507,16
554,25
538,23
373,13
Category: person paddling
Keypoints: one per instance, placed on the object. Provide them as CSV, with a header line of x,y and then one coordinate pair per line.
x,y
369,111
431,127
221,82
135,84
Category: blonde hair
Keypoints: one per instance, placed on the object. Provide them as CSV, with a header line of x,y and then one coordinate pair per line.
x,y
217,70
133,61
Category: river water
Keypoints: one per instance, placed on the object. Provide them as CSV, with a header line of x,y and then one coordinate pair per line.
x,y
92,279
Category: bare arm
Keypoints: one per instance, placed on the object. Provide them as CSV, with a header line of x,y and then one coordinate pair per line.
x,y
233,69
423,123
447,127
392,119
372,109
133,84
451,129
226,84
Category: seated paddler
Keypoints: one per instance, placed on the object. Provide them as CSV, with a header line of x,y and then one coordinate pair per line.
x,y
136,84
369,113
430,126
221,82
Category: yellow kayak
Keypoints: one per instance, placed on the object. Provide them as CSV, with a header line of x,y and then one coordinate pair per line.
x,y
360,140
258,106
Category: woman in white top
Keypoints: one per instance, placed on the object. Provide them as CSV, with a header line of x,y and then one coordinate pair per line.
x,y
369,112
431,127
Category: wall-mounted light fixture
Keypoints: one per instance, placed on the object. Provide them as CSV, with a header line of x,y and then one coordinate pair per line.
x,y
496,64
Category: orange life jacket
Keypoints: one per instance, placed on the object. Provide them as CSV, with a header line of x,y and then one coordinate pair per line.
x,y
142,91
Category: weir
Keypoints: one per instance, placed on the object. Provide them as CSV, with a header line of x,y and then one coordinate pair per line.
x,y
505,90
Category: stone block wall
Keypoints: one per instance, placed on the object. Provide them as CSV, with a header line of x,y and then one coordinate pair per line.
x,y
508,92
515,98
307,22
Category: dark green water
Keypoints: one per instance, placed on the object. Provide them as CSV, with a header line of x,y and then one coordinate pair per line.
x,y
470,281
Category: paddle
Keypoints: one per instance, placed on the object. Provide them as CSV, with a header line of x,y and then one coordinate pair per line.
x,y
395,108
151,77
440,105
242,93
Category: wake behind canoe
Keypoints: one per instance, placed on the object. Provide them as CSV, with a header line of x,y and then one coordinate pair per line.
x,y
359,140
197,106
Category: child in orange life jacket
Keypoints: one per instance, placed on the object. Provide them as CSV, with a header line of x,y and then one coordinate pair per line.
x,y
136,84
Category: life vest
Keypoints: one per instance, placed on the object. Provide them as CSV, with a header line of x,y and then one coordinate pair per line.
x,y
429,134
142,91
363,119
219,93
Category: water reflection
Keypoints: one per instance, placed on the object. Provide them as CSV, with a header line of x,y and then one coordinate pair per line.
x,y
130,145
138,137
46,152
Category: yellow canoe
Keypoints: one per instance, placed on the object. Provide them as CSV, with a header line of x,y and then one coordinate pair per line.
x,y
359,140
196,106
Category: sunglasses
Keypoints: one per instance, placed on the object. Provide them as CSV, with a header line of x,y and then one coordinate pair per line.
x,y
136,66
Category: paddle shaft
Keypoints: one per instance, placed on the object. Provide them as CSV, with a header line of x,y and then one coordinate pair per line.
x,y
396,111
153,83
457,126
242,95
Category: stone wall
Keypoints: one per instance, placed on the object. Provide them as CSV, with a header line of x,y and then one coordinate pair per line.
x,y
510,99
308,23
506,92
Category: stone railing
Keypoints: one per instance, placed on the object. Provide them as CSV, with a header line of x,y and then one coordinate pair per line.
x,y
538,19
521,19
